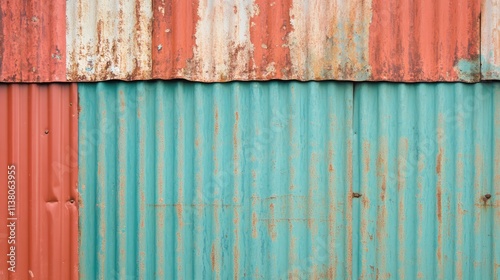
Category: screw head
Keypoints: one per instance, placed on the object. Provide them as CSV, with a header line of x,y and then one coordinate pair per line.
x,y
356,195
46,131
487,196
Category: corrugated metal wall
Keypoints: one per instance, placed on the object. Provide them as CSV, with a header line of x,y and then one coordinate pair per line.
x,y
39,138
257,180
237,180
426,157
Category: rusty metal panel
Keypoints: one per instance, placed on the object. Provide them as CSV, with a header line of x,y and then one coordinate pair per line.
x,y
490,40
38,147
32,41
213,41
218,41
428,169
425,40
234,180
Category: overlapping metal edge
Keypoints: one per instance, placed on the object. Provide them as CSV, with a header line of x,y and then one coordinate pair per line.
x,y
428,168
39,142
214,41
234,180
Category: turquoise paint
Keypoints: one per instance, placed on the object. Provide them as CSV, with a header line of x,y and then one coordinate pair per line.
x,y
469,70
434,149
255,180
489,70
187,180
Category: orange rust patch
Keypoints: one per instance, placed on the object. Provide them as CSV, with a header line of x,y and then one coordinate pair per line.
x,y
330,167
213,258
216,115
178,208
439,162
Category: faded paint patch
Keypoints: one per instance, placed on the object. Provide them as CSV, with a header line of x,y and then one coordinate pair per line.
x,y
490,40
329,39
109,40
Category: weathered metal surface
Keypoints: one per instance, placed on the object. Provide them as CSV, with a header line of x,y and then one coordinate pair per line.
x,y
490,40
252,180
38,145
425,40
427,159
214,41
211,41
111,37
32,41
235,180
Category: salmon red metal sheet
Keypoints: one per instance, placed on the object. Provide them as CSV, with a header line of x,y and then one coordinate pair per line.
x,y
38,146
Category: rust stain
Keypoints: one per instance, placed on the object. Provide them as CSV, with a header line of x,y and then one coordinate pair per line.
x,y
216,117
254,225
366,153
213,258
438,162
382,166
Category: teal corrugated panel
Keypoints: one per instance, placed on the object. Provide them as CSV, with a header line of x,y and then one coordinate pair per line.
x,y
256,180
237,180
427,157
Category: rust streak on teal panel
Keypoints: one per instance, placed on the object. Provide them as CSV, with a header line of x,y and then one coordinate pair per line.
x,y
256,180
426,157
235,180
